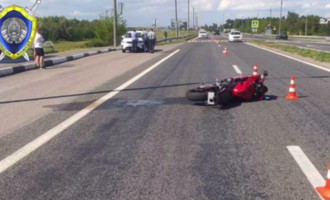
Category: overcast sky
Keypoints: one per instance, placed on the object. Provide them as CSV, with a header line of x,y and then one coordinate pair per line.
x,y
142,12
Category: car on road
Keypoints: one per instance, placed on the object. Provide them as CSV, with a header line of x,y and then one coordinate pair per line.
x,y
216,32
202,34
282,36
235,36
126,43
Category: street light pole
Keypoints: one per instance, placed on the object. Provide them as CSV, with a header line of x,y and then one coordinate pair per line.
x,y
306,26
279,27
176,19
193,17
188,25
115,23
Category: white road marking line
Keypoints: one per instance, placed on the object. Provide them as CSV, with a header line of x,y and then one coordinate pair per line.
x,y
238,71
311,64
307,167
46,137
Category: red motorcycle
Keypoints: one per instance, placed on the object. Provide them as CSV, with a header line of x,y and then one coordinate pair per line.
x,y
247,88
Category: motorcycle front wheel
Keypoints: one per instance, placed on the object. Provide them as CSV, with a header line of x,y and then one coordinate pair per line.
x,y
196,95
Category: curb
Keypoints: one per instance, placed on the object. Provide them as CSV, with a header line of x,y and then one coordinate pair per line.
x,y
27,67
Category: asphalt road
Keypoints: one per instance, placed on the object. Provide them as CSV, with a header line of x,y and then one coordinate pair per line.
x,y
318,45
149,142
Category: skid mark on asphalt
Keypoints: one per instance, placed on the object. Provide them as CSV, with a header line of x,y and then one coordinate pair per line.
x,y
312,174
46,137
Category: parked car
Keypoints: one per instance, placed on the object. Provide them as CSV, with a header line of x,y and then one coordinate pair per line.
x,y
126,43
282,36
235,36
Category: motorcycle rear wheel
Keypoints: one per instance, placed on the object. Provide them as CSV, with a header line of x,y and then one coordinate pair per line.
x,y
196,95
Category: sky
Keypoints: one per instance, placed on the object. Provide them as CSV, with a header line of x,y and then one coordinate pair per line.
x,y
144,12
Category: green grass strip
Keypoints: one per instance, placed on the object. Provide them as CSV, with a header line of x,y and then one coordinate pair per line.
x,y
316,55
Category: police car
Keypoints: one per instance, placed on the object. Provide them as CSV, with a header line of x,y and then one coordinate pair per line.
x,y
126,43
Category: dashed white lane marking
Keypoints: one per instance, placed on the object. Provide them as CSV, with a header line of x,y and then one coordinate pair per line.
x,y
307,63
307,167
46,137
238,71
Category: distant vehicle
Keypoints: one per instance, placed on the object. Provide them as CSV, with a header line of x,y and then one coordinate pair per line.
x,y
282,36
126,43
235,36
202,34
216,32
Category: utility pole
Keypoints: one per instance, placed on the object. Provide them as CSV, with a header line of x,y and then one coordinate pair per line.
x,y
279,27
270,18
306,26
193,17
115,23
188,25
197,20
176,19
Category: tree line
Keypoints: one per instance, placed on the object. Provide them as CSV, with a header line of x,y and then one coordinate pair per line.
x,y
292,24
99,32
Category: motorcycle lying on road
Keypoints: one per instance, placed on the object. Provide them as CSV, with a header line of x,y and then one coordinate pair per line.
x,y
247,88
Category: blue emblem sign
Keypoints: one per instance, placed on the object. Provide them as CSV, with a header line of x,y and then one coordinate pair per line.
x,y
18,27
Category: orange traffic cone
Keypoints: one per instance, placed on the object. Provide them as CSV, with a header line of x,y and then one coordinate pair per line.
x,y
225,52
292,91
255,69
219,44
325,191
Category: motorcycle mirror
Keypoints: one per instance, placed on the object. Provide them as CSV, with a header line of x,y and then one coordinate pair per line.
x,y
265,73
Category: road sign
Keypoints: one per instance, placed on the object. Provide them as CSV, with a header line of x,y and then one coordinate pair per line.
x,y
255,24
274,28
324,21
254,30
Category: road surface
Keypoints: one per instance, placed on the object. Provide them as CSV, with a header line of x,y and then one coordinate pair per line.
x,y
146,141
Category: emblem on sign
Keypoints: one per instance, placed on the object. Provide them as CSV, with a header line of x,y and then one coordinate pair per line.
x,y
18,28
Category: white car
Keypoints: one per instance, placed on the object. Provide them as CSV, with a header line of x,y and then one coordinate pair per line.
x,y
126,43
235,36
202,34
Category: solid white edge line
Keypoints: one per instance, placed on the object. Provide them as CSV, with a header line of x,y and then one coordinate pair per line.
x,y
310,171
296,59
44,138
238,71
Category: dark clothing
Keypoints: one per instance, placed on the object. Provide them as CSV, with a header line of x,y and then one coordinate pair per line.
x,y
134,45
146,45
152,45
40,51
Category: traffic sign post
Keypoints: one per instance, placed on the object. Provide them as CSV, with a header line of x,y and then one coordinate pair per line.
x,y
255,25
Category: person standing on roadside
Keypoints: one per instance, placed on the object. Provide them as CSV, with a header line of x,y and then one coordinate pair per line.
x,y
134,41
145,40
39,44
152,40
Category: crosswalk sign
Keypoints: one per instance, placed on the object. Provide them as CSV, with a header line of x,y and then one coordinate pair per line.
x,y
255,24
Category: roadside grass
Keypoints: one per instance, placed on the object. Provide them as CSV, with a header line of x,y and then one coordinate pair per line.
x,y
316,55
62,46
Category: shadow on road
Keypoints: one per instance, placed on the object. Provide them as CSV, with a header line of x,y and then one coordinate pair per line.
x,y
93,93
297,77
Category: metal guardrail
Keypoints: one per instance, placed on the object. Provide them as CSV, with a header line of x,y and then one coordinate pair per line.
x,y
177,38
49,45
